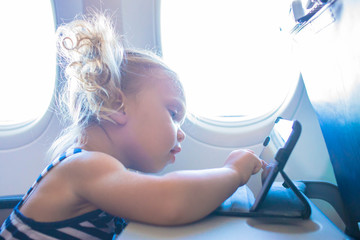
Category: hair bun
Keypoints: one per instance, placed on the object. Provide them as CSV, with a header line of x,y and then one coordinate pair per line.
x,y
91,50
91,54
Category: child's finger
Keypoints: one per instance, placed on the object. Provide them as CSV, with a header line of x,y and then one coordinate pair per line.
x,y
258,166
264,164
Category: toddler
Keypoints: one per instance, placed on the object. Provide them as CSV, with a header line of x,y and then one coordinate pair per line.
x,y
124,108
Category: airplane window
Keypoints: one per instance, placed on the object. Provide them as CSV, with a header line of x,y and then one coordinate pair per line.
x,y
232,56
28,61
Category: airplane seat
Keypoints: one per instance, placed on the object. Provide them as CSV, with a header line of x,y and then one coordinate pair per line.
x,y
7,203
329,57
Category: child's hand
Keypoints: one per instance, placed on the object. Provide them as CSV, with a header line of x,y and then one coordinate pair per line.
x,y
245,163
266,171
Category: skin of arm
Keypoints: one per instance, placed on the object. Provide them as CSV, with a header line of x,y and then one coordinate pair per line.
x,y
176,198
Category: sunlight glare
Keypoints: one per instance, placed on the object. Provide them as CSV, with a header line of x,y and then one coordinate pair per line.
x,y
231,57
29,60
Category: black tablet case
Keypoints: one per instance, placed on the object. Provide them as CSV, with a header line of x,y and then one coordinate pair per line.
x,y
282,200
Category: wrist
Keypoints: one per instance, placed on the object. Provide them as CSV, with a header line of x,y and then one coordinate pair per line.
x,y
237,175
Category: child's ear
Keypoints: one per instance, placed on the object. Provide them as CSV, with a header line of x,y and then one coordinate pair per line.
x,y
119,117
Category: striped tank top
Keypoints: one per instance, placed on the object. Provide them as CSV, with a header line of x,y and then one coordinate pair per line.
x,y
93,225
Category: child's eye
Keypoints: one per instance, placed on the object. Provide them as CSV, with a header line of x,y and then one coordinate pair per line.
x,y
177,114
173,114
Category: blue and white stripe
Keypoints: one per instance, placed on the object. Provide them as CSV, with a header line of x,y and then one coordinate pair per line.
x,y
93,225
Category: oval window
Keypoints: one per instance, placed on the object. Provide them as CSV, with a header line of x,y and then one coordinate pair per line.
x,y
231,56
29,61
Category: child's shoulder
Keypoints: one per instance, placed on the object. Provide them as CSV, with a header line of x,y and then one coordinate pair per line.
x,y
90,162
94,156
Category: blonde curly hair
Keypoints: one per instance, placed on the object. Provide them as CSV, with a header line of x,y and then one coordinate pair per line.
x,y
98,72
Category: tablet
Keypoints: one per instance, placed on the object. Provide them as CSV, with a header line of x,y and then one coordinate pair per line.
x,y
283,137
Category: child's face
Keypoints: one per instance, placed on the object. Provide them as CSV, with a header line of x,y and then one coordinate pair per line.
x,y
153,133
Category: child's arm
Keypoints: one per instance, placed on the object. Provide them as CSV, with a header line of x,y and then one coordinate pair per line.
x,y
175,198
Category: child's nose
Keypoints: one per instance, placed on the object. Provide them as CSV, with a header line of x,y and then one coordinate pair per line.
x,y
180,135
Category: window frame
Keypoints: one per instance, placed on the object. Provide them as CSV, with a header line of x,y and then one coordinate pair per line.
x,y
245,132
17,135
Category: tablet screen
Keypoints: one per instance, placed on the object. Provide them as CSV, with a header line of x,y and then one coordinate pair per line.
x,y
283,138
